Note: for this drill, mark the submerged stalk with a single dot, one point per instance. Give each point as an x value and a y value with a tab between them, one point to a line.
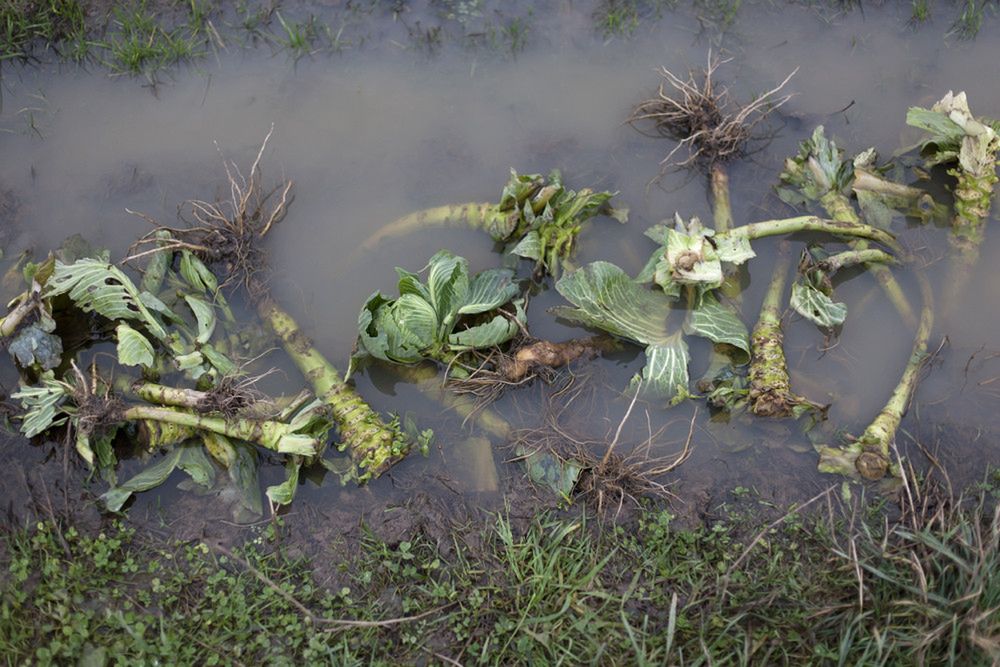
722	210
424	377
770	391
870	453
374	445
839	208
474	215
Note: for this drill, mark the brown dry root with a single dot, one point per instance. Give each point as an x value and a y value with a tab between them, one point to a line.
606	477
708	123
531	359
227	233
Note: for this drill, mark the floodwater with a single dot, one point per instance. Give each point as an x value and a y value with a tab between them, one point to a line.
373	134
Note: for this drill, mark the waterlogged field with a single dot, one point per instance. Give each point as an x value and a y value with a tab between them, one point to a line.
569	520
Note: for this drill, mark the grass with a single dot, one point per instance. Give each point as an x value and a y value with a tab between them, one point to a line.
922	589
144	37
52	22
140	44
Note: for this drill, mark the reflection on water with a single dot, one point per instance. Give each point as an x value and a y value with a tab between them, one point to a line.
373	136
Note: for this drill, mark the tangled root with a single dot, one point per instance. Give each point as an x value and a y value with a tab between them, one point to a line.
607	478
529	359
709	125
228	233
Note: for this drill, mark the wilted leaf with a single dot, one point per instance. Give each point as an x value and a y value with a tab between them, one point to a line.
284	493
150	478
817	307
546	469
194	462
96	286
35	344
41	404
134	349
204	314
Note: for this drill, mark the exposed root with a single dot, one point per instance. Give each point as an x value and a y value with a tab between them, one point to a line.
528	360
708	124
96	407
227	233
236	396
608	478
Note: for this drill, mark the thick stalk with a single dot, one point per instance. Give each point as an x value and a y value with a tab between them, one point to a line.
972	209
770	390
722	210
869	182
769	381
839	208
874	444
848	258
811	223
272	435
374	445
722	213
172	396
474	214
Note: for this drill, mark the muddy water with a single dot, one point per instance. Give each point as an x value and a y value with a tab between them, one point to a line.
372	135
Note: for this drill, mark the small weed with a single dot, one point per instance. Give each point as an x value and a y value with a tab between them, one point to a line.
298	38
139	44
920	11
621	18
969	22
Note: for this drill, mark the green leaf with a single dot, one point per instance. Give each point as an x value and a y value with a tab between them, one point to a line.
943	130
154	304
498	330
666	372
720	323
41	404
153	476
197	275
409	283
817	307
607	299
96	286
489	290
204	314
220	362
416	320
284	493
134	349
448	285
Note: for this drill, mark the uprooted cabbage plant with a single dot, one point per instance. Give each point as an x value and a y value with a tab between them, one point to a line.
180	376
